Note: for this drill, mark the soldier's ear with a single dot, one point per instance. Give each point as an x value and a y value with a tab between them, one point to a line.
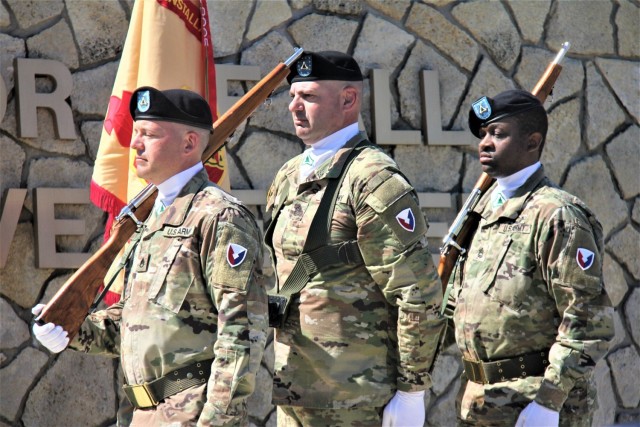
534	141
349	97
191	141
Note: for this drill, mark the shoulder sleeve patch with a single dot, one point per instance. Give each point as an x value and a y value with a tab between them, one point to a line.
235	256
394	202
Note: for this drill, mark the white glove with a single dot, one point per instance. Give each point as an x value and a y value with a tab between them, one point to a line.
405	409
53	337
536	415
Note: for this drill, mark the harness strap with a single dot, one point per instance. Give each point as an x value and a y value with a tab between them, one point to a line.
317	253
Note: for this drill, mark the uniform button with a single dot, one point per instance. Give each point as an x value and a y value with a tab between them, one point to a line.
189	375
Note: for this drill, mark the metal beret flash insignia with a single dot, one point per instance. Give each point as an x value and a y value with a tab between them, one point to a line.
304	66
143	101
482	108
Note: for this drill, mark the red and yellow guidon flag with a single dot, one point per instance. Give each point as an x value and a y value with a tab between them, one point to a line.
168	46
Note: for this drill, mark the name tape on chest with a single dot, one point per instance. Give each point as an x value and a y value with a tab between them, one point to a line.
515	228
178	231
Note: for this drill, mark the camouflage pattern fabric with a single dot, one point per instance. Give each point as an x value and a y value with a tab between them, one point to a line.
191	296
296	416
355	335
532	281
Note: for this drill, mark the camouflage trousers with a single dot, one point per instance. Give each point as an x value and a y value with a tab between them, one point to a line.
296	416
500	404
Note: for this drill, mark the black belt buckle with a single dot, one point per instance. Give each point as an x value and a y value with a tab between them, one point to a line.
277	310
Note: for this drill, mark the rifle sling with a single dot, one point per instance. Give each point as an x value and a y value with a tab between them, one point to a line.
123	263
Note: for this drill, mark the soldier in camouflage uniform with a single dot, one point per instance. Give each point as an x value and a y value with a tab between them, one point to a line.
531	315
359	340
191	325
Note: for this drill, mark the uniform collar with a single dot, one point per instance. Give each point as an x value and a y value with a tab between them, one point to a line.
329	169
513	206
169	189
510	184
176	213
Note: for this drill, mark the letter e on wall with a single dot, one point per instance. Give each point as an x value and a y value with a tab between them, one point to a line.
48	227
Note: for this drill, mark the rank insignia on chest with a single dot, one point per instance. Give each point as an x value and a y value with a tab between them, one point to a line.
480	254
236	254
142	263
407	220
585	258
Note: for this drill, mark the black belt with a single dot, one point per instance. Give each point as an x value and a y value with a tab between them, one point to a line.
528	365
148	395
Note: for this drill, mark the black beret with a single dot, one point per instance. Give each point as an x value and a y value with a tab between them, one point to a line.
327	65
508	103
173	105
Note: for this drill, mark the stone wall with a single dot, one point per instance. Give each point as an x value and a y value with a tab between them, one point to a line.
479	47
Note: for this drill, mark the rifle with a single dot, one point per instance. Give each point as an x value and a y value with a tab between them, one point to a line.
458	239
71	304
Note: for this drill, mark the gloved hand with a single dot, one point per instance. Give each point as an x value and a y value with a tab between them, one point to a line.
535	415
405	409
53	337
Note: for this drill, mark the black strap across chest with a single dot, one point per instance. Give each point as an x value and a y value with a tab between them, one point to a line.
317	252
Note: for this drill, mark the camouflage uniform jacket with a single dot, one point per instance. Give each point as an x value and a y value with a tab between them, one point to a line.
185	302
355	334
524	290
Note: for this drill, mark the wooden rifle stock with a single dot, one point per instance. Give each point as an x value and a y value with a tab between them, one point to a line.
70	305
458	239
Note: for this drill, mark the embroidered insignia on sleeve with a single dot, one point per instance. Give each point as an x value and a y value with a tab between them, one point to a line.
482	108
236	254
585	258
407	220
143	101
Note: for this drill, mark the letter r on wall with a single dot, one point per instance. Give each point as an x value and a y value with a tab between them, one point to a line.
28	99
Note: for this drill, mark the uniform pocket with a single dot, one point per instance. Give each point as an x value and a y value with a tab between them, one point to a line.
511	276
171	283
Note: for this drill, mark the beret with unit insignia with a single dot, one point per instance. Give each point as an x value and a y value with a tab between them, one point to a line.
326	65
508	103
173	105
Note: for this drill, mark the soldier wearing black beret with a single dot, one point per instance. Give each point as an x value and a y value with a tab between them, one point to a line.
173	105
361	332
531	317
190	327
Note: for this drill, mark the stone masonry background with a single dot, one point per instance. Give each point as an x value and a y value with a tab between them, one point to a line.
478	47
